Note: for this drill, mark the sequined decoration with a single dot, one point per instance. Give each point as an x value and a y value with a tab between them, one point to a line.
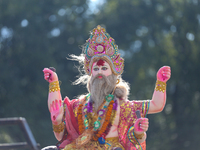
101	45
127	120
160	86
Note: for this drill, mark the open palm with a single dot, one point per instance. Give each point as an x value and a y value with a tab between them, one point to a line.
56	109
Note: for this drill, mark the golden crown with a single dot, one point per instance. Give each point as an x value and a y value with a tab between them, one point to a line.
101	45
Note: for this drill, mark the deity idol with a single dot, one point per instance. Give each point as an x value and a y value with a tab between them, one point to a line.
104	119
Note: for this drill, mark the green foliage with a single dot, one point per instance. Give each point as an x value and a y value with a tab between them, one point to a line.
149	33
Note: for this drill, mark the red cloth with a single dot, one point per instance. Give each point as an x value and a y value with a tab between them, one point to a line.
71	124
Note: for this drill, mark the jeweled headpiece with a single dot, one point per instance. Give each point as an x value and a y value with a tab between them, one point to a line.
101	45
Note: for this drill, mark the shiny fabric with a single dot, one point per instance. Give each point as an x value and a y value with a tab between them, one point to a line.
110	143
127	119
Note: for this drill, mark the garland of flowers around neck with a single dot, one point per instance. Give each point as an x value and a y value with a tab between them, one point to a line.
107	112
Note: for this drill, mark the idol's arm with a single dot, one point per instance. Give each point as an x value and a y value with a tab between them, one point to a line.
140	127
159	96
55	103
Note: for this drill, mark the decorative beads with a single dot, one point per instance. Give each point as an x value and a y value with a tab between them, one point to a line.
54	86
87	98
101	112
101	140
106	122
59	128
101	45
86	122
97	125
103	118
109	97
99	39
160	86
85	109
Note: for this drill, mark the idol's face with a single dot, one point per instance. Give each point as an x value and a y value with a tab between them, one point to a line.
101	67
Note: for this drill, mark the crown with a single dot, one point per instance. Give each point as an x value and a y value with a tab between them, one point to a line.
101	45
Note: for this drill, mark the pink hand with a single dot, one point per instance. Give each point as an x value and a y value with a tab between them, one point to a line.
141	125
56	110
164	74
49	75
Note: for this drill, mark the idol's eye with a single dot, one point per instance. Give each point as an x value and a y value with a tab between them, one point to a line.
104	68
95	69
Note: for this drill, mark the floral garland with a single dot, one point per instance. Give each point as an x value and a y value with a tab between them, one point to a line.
88	120
112	118
106	122
80	120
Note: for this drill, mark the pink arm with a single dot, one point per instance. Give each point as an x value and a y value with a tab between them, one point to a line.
159	97
54	102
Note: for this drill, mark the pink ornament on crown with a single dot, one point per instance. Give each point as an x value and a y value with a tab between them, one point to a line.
101	46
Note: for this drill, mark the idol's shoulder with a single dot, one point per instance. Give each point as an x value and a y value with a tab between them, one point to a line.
130	103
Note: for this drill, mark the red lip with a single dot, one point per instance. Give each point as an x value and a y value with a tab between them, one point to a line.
100	77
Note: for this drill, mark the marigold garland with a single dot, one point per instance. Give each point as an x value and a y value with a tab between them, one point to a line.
80	119
112	118
106	122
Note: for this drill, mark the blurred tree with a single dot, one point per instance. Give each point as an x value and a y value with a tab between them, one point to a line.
34	35
150	34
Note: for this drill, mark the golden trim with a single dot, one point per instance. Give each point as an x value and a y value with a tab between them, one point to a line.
59	128
54	86
94	145
160	86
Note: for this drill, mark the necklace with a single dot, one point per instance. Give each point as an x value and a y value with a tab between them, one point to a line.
98	125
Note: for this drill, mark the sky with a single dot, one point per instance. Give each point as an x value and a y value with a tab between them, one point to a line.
94	4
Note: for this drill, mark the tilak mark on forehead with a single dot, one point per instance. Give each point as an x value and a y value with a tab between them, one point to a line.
100	62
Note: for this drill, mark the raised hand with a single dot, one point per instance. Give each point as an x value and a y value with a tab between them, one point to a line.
56	110
141	125
50	75
164	74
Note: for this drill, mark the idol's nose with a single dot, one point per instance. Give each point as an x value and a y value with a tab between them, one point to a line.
99	72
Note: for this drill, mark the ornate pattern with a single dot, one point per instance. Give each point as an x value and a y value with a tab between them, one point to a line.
59	128
126	122
160	86
102	122
94	145
101	46
75	107
54	86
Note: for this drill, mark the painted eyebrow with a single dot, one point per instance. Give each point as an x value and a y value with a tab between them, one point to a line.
95	66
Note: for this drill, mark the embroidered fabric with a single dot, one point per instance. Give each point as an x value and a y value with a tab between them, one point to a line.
127	119
94	145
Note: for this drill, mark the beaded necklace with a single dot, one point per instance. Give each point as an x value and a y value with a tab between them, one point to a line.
99	126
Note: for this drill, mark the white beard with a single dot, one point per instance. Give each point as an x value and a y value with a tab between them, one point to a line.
100	88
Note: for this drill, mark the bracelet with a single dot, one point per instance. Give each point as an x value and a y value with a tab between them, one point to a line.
160	86
139	136
54	86
59	128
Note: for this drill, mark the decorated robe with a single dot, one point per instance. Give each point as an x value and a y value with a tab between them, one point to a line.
127	118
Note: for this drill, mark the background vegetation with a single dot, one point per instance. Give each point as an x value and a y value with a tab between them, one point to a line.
149	33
